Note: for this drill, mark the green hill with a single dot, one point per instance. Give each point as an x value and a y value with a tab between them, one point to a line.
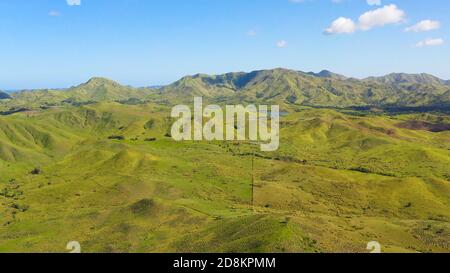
94	90
106	175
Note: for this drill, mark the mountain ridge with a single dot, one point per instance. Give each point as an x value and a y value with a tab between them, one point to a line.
279	85
325	88
398	78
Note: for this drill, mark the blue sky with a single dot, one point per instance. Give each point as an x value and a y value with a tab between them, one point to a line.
58	43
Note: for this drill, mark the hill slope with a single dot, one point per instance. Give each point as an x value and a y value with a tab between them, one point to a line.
337	182
94	90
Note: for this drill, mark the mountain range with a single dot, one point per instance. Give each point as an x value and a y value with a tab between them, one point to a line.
282	86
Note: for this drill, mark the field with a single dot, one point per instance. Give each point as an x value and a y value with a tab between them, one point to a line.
109	176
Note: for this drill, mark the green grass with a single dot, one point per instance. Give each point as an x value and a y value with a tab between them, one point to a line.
338	182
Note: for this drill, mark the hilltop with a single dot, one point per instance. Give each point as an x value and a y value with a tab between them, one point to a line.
328	74
403	78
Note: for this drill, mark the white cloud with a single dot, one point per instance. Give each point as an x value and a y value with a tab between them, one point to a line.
252	33
389	14
54	13
430	42
374	2
282	44
73	2
341	25
425	25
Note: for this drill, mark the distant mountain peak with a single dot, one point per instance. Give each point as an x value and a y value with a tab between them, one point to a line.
399	78
4	95
327	74
99	81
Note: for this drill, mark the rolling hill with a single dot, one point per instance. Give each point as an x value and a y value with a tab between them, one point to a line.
94	90
94	163
337	182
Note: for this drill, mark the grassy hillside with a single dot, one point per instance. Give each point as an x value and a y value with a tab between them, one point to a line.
94	90
107	175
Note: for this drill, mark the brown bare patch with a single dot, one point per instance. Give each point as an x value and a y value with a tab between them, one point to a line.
424	126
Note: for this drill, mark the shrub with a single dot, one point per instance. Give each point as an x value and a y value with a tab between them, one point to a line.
21	208
143	207
36	171
149	124
292	99
116	137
